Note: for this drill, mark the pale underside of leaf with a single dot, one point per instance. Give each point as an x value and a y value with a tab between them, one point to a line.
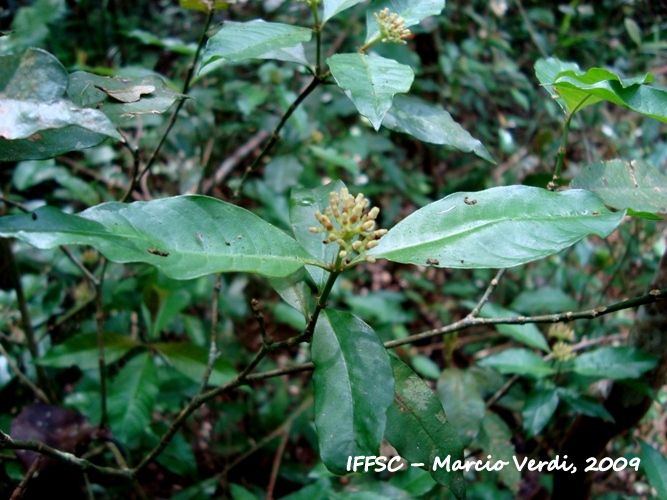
430	123
333	7
499	227
251	40
184	236
621	184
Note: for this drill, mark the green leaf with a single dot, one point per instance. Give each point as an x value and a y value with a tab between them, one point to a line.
354	386
37	120
419	429
191	360
543	300
82	351
370	81
495	438
333	7
132	395
184	236
540	406
415	482
303	205
578	89
614	362
205	5
634	32
498	227
412	11
527	334
585	405
430	123
620	184
33	172
654	464
294	290
169	43
145	95
546	71
252	40
462	400
518	361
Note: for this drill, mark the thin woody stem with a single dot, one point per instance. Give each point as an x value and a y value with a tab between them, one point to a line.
275	135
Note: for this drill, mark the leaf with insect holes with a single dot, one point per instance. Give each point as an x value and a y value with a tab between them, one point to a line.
498	227
121	98
37	118
183	236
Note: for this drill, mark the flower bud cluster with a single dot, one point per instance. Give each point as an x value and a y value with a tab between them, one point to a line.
562	350
355	231
392	26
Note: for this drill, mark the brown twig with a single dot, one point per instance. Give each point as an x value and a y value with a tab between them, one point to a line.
7	443
232	160
489	290
14	367
6	250
277	459
20	489
99	319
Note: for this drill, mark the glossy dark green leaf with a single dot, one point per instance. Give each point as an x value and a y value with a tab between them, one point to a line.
620	184
412	11
132	395
577	89
333	7
82	351
303	205
518	361
495	438
462	400
37	119
498	227
252	40
184	236
121	98
654	464
430	123
540	406
191	360
419	429
614	363
354	386
371	82
585	405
